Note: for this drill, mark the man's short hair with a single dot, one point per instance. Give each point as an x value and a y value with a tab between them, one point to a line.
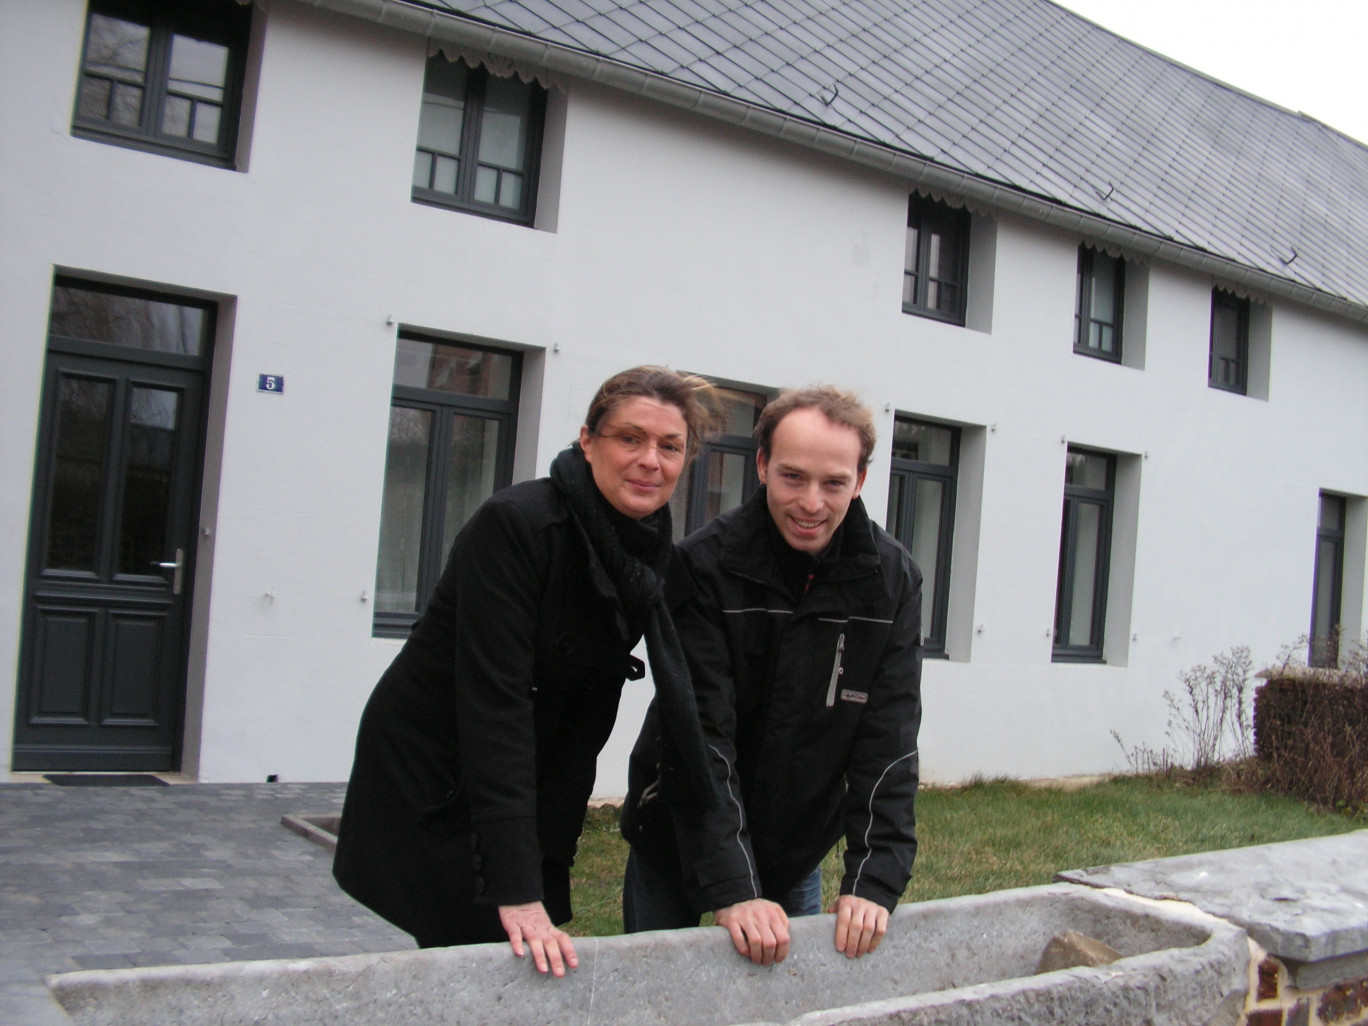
838	406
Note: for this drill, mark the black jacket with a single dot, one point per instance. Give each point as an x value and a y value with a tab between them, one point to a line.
475	755
810	705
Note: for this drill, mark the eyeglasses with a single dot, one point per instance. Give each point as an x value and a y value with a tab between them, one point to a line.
635	442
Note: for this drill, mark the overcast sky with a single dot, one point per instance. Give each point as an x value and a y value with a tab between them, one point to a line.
1306	55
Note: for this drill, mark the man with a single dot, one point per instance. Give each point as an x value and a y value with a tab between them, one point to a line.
801	620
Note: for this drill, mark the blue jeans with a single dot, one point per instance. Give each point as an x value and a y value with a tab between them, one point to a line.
652	900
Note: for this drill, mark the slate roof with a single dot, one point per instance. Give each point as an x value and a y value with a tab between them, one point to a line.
1021	93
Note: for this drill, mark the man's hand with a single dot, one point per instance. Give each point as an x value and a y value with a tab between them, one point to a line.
551	948
860	925
759	929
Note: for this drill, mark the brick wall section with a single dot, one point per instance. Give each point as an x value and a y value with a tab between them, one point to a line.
1273	1001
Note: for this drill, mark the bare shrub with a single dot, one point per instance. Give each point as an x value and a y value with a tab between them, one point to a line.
1209	720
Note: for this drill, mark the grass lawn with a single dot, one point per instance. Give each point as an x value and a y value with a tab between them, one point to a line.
991	835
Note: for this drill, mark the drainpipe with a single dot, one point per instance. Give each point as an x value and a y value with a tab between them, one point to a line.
482	37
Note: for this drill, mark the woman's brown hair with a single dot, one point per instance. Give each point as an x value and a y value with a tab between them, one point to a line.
694	396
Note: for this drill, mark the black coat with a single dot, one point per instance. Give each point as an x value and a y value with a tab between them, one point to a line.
810	704
476	751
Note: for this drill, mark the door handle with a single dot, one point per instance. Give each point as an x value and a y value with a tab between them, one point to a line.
179	567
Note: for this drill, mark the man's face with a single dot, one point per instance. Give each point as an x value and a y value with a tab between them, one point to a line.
811	477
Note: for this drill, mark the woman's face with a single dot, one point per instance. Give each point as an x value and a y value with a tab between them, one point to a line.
637	454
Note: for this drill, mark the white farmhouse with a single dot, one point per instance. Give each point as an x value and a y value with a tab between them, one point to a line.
289	286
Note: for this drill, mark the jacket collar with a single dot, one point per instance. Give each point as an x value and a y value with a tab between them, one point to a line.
746	550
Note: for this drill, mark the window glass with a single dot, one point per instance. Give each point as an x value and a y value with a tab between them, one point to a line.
1084	549
401	510
452	368
723	476
921	513
452	422
935	260
1086	470
116	63
471	465
168	78
1332	512
196	89
1328	583
740	410
923	442
1229	341
726	482
503	133
440	124
146	507
126	320
925	543
1083	574
498	120
83	426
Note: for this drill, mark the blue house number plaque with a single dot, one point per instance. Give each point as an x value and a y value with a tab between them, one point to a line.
270	383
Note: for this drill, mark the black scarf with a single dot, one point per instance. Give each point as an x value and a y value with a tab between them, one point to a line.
640	586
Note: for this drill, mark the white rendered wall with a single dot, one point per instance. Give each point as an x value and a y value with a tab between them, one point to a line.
675	240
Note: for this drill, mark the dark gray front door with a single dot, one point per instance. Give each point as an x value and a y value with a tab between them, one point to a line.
112	536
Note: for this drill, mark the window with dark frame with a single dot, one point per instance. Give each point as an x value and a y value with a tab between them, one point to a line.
1084	556
164	76
936	260
479	141
921	514
452	421
1097	317
1328	583
723	476
1228	362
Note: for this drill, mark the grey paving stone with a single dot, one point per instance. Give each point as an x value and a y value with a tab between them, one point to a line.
98	878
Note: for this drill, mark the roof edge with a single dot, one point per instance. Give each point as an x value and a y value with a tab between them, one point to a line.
411	16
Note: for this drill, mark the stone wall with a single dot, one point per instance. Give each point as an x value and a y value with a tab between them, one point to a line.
1276	1000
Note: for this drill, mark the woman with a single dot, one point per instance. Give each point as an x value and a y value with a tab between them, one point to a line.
475	755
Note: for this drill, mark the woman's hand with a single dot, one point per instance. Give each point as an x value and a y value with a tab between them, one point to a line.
551	948
759	929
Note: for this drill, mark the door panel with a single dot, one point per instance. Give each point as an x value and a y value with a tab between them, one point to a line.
106	600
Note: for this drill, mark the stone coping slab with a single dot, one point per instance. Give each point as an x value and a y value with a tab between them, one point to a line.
960	960
1303	901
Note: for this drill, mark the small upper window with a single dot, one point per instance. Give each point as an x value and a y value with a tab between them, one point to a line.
1228	362
479	141
936	264
1097	319
164	76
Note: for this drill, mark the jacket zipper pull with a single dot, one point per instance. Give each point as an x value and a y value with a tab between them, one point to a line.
835	671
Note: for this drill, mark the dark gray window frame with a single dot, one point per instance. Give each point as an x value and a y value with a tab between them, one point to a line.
1076	496
1326	653
432	558
930	216
695	477
904	474
1083	319
1229	374
225	22
463	198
